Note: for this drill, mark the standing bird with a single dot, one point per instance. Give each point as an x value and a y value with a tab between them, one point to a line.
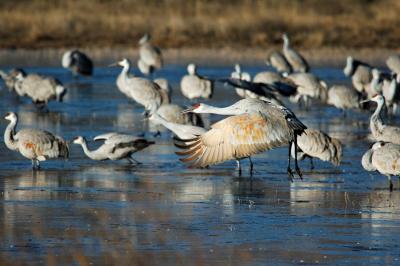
238	74
297	62
40	89
279	62
165	89
150	57
34	144
10	78
308	87
253	127
360	73
379	130
195	86
116	147
141	90
393	63
344	98
388	86
317	144
384	158
77	62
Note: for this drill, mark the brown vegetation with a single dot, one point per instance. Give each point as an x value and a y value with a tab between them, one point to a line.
216	24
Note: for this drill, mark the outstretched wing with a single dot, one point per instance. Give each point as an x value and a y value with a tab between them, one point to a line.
233	138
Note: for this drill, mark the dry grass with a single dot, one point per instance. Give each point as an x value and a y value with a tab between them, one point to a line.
215	24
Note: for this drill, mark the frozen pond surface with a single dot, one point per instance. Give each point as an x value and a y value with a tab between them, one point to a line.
82	212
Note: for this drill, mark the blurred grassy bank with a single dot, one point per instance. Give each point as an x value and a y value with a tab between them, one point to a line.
207	24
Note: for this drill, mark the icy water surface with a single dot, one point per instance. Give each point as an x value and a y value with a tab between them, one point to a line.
86	212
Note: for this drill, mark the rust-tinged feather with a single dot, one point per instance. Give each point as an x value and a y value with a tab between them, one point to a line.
193	157
188	152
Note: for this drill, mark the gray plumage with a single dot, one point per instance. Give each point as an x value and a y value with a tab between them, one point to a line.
41	89
295	59
194	86
343	97
317	144
384	158
393	63
10	78
238	74
150	57
386	85
165	89
308	87
115	147
78	62
379	130
182	131
360	73
34	144
275	80
279	62
143	91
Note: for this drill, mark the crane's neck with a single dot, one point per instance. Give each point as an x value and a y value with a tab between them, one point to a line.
376	120
208	109
9	140
125	71
91	154
286	42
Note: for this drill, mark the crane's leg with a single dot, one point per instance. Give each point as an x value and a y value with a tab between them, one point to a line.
390	183
311	163
133	161
298	171
157	134
251	165
33	164
289	170
239	166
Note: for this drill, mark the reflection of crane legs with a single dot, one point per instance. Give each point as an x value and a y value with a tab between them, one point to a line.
133	161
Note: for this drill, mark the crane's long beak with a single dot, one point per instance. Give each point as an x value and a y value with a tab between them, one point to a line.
113	64
365	101
189	110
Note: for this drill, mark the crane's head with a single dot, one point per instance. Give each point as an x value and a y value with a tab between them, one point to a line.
78	140
11	116
122	63
348	69
191	69
144	39
285	39
196	108
60	92
238	69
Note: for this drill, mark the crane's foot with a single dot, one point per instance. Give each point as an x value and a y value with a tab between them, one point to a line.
298	171
290	174
157	134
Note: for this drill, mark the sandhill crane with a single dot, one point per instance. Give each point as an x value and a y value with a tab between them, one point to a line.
165	89
34	144
10	78
386	85
40	89
77	62
238	74
309	86
277	81
194	86
150	57
296	61
393	63
115	147
359	72
317	144
384	158
379	130
141	90
279	62
344	98
254	126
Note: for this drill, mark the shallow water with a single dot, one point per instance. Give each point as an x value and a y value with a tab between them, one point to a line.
82	212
